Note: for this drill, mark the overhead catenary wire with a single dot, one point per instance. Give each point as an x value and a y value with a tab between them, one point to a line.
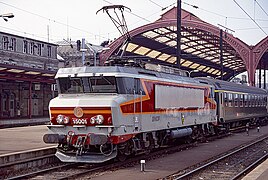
250	17
49	19
131	13
261	7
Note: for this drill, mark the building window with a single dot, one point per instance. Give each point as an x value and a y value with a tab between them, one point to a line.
32	48
25	46
48	51
39	49
5	42
13	44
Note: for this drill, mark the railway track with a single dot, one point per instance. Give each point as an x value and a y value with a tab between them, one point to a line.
20	163
232	165
76	170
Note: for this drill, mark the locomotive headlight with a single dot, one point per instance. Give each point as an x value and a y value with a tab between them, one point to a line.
99	119
92	120
66	120
60	119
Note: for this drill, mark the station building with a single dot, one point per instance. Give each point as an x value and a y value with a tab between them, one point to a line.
27	70
71	52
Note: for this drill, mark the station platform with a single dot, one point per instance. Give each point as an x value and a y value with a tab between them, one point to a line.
259	173
9	123
15	140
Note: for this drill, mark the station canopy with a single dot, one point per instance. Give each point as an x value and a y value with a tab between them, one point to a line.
200	46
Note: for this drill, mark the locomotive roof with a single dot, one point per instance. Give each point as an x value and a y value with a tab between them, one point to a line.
121	71
231	86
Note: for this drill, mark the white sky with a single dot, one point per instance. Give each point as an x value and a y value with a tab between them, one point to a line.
33	17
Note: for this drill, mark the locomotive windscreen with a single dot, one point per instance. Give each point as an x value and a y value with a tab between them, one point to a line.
95	84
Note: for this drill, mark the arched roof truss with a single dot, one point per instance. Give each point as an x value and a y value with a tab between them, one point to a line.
200	47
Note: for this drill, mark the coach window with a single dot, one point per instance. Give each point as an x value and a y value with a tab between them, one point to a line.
245	100
265	101
252	100
242	100
13	44
230	98
255	101
5	42
225	99
249	100
25	46
236	100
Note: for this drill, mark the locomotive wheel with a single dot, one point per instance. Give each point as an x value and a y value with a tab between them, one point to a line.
121	156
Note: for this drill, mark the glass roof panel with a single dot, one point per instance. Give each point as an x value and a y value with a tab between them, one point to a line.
131	47
215	72
142	50
211	70
173	28
171	43
183	40
162	39
200	68
206	69
164	30
183	46
190	50
194	66
212	58
186	63
196	52
171	35
172	59
153	54
164	57
215	60
150	34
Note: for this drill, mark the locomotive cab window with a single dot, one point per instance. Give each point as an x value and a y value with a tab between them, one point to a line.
70	85
95	84
128	85
100	84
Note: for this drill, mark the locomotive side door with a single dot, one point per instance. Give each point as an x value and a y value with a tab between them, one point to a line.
137	96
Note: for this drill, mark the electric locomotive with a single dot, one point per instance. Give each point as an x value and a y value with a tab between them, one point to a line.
106	112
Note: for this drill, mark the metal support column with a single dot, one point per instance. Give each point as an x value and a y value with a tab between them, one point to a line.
30	100
264	75
178	52
221	58
260	74
83	52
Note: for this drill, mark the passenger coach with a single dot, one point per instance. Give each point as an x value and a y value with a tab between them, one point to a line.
238	102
